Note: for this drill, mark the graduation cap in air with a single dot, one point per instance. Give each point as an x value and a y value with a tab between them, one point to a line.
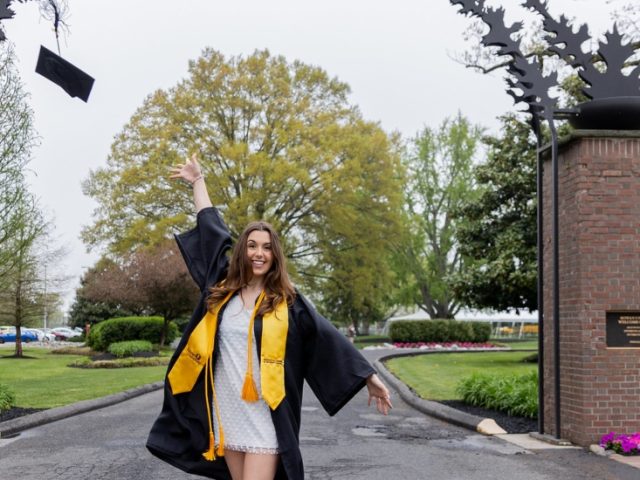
72	80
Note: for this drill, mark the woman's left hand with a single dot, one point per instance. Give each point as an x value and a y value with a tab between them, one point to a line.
379	393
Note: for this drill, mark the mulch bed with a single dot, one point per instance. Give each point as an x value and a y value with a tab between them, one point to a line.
16	412
507	422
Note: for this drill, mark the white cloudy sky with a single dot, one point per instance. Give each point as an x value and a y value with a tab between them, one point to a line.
395	55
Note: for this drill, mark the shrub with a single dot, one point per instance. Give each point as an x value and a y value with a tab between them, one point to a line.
7	398
181	323
77	339
481	331
517	395
129	347
413	331
121	362
114	330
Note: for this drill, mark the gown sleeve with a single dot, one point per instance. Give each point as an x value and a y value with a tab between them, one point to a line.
335	369
204	248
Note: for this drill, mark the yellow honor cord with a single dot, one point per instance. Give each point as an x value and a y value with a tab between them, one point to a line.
249	389
197	354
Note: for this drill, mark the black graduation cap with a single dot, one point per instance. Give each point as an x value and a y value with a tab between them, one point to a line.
72	80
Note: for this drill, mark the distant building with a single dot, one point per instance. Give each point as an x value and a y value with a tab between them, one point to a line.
508	323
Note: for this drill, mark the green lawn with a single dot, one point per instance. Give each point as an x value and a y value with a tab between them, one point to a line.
516	344
368	340
434	376
45	381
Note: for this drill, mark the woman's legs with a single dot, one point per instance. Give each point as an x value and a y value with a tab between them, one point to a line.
251	466
260	466
235	462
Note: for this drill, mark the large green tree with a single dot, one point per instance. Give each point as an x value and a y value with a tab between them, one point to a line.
277	141
499	228
439	169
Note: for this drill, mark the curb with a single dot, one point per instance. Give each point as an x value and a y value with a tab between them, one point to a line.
17	425
486	426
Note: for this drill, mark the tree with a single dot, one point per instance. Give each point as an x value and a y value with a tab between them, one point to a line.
24	297
277	141
152	281
439	168
356	257
17	138
84	310
499	228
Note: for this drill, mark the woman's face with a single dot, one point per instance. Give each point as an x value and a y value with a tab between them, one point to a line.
259	252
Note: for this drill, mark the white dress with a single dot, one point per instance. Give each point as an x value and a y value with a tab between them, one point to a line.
247	425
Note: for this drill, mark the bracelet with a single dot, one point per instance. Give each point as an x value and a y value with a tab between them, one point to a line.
198	178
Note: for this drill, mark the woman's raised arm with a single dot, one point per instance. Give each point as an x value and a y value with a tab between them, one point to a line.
192	173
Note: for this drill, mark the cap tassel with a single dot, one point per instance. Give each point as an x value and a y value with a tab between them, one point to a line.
249	389
210	453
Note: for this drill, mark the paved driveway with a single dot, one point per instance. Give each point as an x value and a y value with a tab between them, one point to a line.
108	444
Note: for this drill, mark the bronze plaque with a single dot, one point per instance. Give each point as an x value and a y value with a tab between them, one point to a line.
623	329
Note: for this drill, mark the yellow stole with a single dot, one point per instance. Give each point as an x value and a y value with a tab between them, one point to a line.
197	354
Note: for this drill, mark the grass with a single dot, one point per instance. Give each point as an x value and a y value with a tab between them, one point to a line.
45	380
516	344
435	376
367	340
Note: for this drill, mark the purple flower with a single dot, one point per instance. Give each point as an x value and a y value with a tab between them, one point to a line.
627	445
607	439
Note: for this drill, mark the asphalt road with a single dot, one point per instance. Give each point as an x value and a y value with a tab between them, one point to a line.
108	444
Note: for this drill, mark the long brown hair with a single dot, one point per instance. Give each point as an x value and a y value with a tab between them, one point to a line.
277	285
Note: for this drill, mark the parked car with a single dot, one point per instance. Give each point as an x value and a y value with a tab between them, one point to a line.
25	335
43	336
64	333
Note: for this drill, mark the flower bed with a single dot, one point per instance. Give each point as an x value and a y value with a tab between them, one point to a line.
622	444
444	345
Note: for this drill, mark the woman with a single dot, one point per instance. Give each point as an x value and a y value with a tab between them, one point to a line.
233	393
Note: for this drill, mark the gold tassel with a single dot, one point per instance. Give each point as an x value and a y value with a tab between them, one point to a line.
249	389
220	448
210	454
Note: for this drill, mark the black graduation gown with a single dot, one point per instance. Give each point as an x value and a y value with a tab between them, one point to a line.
316	352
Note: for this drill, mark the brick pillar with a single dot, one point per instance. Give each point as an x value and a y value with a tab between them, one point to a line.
599	217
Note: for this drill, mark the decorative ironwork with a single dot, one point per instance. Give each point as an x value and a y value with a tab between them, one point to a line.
601	81
5	12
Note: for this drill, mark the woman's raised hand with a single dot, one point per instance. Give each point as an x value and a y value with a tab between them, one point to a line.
189	171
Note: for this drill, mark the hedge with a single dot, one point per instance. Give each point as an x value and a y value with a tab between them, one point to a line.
129	347
7	398
439	331
114	330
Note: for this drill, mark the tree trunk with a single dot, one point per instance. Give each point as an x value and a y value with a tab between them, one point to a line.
18	314
18	352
